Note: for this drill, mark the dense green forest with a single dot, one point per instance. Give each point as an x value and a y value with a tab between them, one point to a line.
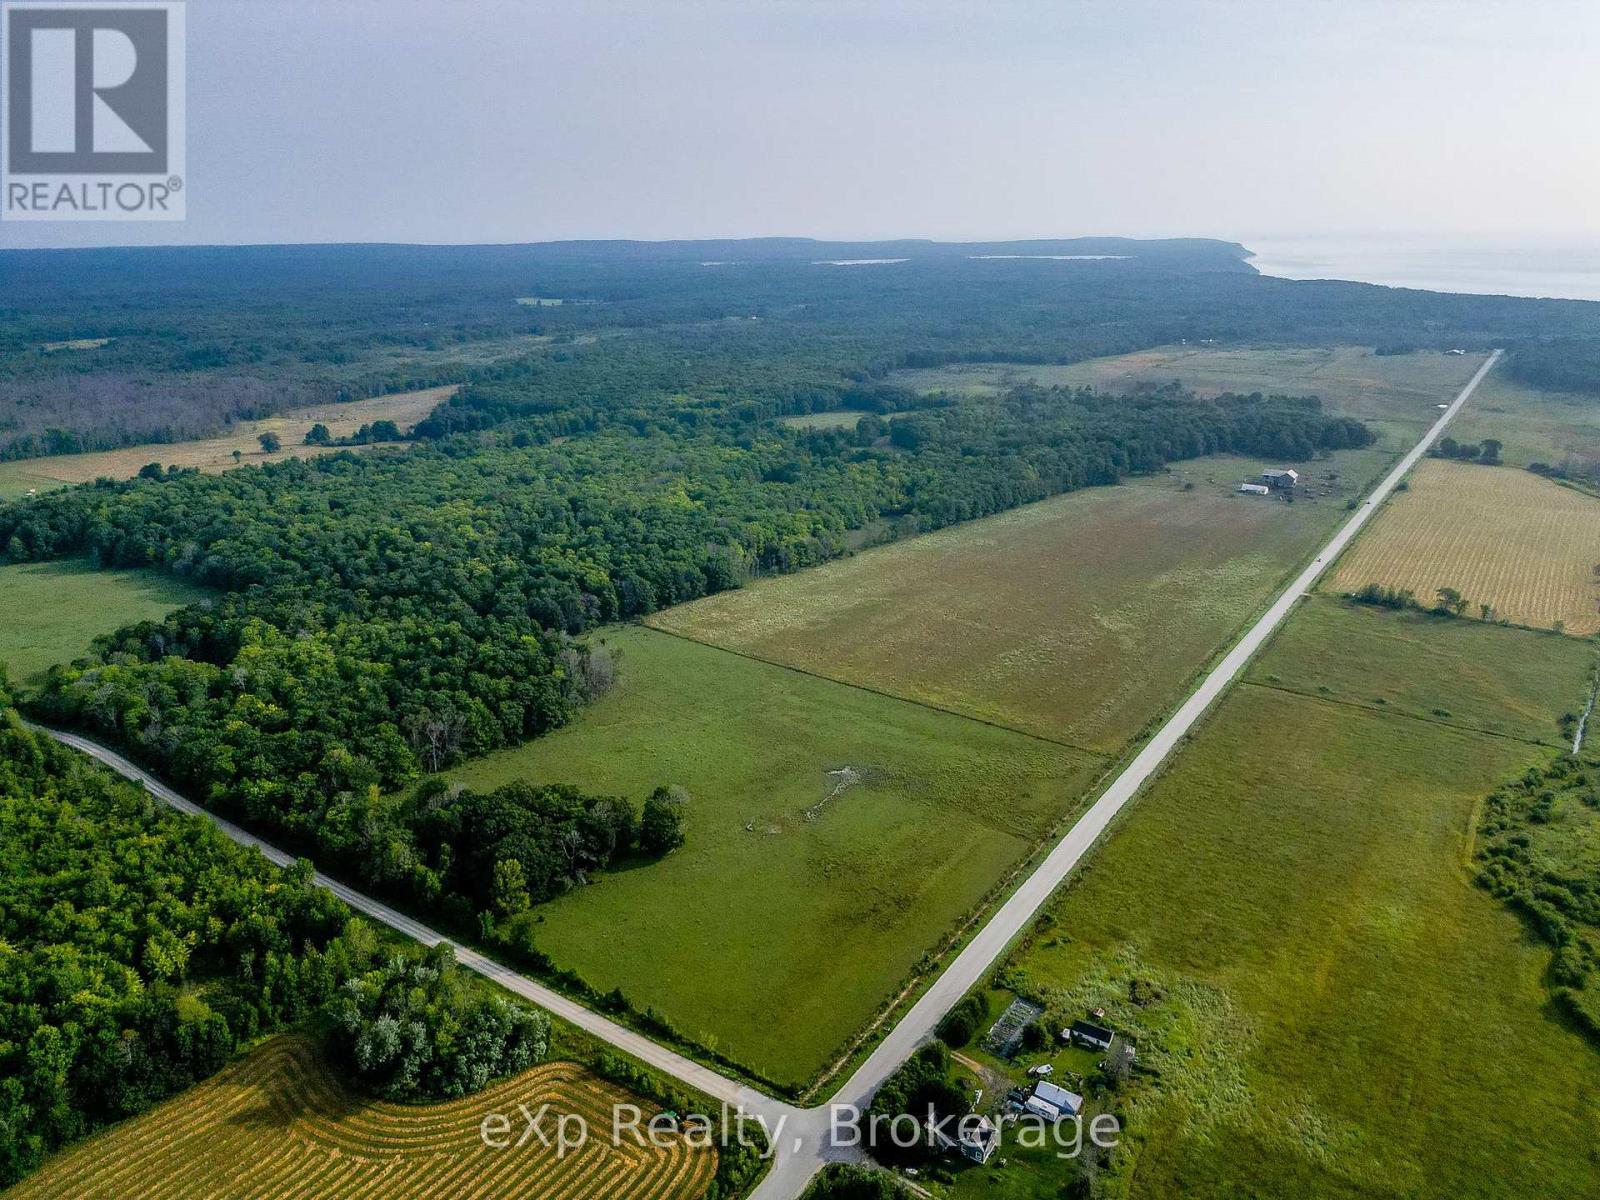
139	948
199	338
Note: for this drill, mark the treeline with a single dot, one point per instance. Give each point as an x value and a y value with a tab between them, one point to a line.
1530	855
140	948
382	617
1560	364
1486	452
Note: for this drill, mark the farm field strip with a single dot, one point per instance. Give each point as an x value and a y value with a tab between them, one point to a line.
1402	389
215	454
1498	535
1029	619
278	1123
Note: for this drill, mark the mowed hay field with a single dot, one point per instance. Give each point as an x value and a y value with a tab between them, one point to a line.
803	897
1498	535
1392	389
50	612
216	453
279	1124
1329	1005
1076	618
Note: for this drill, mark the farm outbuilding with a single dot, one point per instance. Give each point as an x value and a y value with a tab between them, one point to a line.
1087	1033
1280	477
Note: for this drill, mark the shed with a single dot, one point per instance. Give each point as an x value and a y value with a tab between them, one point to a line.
1090	1034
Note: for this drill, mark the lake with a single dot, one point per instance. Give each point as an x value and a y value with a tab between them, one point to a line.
1568	269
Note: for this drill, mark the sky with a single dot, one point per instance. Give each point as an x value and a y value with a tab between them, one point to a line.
521	120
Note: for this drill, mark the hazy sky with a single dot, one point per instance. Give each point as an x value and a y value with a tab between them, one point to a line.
492	120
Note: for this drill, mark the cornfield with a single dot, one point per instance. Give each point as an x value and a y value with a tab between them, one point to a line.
278	1124
1523	545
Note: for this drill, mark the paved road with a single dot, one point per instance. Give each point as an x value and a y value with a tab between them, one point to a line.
1015	914
641	1047
802	1140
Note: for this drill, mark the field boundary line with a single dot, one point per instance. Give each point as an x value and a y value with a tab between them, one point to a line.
1103	755
1386	711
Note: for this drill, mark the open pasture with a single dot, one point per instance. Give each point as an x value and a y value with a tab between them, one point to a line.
1391	389
834	837
280	1124
215	454
1077	618
1287	925
50	612
1478	676
1498	535
1532	424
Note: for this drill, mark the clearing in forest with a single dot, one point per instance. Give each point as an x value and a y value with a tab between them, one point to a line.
834	836
215	454
1499	536
53	610
1078	618
280	1124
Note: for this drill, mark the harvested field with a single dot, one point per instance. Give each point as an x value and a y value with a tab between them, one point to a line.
216	453
279	1124
1498	535
1077	618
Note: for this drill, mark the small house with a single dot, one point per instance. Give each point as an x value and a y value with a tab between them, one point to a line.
1051	1102
976	1138
1255	489
1087	1033
1280	477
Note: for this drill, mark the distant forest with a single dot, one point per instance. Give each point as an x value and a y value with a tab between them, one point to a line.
201	338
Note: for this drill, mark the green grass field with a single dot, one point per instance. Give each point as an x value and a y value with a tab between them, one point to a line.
53	610
1333	1008
1479	677
773	936
841	418
1077	618
1534	425
1397	391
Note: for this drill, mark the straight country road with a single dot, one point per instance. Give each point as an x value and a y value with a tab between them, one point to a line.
803	1140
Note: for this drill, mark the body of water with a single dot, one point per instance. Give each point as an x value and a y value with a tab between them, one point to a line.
1564	269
